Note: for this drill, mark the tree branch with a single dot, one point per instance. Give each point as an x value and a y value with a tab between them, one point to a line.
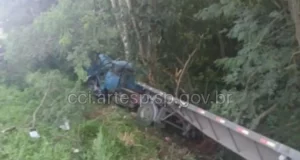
38	108
237	120
222	46
185	68
257	120
179	61
122	26
9	129
136	29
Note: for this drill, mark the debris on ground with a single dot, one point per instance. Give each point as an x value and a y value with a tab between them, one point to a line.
75	150
34	134
65	126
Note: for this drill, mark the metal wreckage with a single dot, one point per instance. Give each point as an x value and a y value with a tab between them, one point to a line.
111	77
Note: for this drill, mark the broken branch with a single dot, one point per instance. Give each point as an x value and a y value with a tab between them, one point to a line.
185	68
9	129
257	120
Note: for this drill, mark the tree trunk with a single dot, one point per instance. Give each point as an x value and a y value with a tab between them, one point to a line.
294	7
136	28
122	25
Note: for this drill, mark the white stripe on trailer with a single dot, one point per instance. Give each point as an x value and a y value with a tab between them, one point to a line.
201	111
267	142
243	131
220	120
285	151
271	144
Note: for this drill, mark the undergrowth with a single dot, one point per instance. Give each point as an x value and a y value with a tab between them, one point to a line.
97	132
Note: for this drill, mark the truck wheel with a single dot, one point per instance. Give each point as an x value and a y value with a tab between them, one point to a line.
147	113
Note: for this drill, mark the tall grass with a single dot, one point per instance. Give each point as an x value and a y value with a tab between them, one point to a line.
97	132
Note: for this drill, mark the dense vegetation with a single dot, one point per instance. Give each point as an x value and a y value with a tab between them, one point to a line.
249	49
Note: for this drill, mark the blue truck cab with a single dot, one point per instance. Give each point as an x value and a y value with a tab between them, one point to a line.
108	75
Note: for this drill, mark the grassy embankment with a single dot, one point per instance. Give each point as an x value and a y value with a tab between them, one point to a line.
97	132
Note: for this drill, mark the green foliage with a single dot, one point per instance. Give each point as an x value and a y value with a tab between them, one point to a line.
88	132
258	72
33	150
181	35
21	104
251	42
108	142
17	109
118	138
69	37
